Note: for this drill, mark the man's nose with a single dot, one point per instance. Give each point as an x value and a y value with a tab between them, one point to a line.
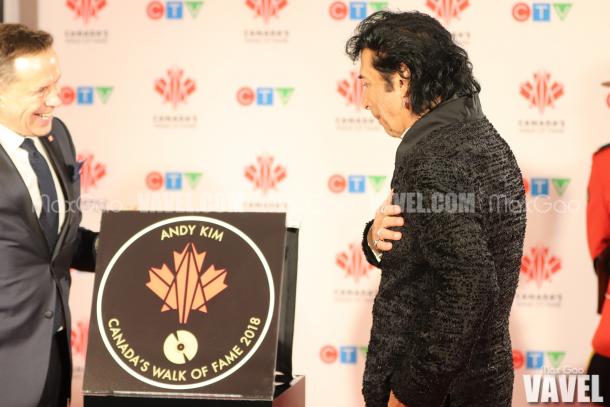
53	99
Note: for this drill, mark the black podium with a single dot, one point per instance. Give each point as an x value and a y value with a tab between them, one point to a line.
193	309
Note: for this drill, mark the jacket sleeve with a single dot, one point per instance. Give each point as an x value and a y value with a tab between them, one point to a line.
598	212
455	248
598	227
86	251
368	252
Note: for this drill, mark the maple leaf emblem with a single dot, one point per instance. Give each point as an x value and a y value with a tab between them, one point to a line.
266	175
86	9
541	93
351	90
174	88
266	8
447	10
539	266
90	171
353	262
188	288
79	336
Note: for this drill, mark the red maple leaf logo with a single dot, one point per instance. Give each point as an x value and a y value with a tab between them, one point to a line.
175	89
351	90
542	93
86	9
265	175
266	8
539	266
91	171
79	336
447	10
353	262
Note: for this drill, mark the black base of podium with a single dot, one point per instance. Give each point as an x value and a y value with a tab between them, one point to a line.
287	395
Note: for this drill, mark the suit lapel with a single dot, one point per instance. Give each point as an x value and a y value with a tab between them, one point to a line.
10	176
59	165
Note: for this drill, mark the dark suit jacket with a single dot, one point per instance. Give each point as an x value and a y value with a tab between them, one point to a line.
32	278
440	319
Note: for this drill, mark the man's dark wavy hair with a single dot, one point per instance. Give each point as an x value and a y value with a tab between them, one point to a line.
439	68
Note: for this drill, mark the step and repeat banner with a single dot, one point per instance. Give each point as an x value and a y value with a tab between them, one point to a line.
252	105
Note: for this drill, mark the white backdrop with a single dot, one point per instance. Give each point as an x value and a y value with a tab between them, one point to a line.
251	105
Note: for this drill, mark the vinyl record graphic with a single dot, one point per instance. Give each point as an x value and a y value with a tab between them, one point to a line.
180	347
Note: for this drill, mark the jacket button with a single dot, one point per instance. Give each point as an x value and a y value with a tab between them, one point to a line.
48	314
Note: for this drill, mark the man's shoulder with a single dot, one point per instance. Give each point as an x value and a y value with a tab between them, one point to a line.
605	149
602	157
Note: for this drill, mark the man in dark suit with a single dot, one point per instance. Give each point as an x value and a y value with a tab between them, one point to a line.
450	243
40	237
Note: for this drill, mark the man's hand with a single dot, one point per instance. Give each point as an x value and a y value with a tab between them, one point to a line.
393	402
387	216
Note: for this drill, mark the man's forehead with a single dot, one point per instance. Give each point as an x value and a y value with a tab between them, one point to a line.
36	61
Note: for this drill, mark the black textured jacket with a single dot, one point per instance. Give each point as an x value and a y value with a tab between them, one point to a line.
440	320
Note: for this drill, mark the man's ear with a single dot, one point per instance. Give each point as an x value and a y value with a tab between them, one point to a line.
404	80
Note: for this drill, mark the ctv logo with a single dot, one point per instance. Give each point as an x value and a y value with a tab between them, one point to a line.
266	9
540	12
356	10
79	335
534	360
355	184
447	10
263	96
542	186
351	89
172	181
86	9
84	95
346	355
353	262
175	88
173	10
539	265
265	174
91	171
542	92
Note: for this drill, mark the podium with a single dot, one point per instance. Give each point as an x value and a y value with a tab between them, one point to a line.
193	309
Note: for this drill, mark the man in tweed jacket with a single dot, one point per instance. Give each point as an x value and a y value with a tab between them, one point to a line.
449	239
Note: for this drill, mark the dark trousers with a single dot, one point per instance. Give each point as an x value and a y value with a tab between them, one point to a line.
600	365
55	393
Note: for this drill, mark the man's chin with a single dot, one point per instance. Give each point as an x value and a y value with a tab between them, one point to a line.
40	131
392	134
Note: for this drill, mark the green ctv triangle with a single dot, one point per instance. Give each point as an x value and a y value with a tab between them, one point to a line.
104	92
562	9
193	178
378	5
560	185
377	181
284	94
556	358
194	7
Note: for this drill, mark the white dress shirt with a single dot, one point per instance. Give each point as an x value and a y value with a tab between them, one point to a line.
11	142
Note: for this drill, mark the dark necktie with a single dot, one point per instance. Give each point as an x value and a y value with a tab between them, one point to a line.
49	217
